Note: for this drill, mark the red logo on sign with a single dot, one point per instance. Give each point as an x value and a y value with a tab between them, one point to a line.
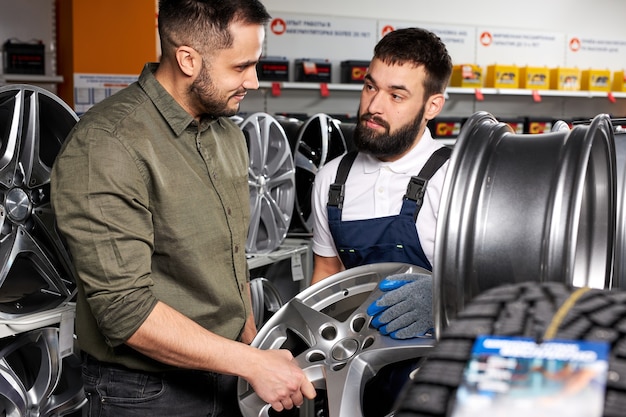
386	30
486	38
278	26
574	44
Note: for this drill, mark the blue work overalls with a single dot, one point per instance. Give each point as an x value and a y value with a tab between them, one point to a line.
384	239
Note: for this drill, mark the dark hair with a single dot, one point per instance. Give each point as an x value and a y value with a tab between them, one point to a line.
203	24
418	47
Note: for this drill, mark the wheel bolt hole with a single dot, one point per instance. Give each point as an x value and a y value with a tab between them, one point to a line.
358	323
316	357
329	332
338	367
368	342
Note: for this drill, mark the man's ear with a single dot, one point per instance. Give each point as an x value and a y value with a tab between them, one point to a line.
434	105
189	61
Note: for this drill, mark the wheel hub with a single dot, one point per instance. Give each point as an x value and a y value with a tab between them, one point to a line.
345	349
17	204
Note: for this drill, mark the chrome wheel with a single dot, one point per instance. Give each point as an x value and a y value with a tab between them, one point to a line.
527	207
271	177
326	328
620	238
35	268
315	141
35	379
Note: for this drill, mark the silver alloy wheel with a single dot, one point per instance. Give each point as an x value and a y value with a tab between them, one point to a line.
271	178
315	142
523	207
327	329
35	379
35	268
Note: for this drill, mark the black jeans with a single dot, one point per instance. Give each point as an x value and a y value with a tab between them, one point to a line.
116	391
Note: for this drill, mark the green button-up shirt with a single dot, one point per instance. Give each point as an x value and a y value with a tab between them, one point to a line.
153	206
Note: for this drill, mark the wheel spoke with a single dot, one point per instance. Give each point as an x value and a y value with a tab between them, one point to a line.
327	330
271	179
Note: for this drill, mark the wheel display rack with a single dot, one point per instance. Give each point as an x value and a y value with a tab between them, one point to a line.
39	369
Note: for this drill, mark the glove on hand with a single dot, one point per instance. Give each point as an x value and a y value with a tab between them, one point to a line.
405	310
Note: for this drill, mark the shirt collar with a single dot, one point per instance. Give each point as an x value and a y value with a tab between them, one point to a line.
405	164
172	112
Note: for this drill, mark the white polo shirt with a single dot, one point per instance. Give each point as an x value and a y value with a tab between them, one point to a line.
375	189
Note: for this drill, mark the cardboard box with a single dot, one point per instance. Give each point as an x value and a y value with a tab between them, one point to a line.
595	80
619	81
502	76
534	78
445	127
518	124
565	79
466	75
353	72
273	69
312	70
537	125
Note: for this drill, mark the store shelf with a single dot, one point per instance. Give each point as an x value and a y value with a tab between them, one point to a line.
451	90
310	86
300	253
529	93
30	79
10	326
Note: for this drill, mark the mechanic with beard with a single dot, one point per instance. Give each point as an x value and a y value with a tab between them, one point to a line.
371	206
150	192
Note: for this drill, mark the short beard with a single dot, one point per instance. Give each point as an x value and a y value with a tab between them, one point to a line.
205	93
386	145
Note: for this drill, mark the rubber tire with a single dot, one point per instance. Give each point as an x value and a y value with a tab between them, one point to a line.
524	309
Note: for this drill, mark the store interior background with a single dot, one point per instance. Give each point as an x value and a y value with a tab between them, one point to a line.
118	37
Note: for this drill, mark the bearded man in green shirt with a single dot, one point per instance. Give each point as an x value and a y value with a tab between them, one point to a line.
150	192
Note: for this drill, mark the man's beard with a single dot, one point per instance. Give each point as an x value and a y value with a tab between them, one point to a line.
206	94
385	145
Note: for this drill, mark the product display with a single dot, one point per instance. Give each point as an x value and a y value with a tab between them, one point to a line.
313	70
325	327
271	177
550	197
24	58
40	372
531	230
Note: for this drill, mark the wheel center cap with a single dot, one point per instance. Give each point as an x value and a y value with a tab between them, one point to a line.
17	205
345	349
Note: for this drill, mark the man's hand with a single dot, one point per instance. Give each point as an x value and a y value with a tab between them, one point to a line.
279	381
405	309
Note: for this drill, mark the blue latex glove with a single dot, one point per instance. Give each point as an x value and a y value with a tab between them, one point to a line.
405	309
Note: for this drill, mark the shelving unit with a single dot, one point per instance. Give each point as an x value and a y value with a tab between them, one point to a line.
309	98
297	250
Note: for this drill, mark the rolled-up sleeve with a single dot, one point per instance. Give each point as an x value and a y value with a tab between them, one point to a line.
101	203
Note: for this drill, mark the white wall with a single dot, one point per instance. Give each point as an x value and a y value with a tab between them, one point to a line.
590	17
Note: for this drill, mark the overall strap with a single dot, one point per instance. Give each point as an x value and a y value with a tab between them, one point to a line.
417	186
336	192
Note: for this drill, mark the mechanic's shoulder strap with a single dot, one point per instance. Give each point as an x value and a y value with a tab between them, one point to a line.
417	185
337	189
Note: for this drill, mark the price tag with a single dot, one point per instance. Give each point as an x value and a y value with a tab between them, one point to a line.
556	377
297	274
66	334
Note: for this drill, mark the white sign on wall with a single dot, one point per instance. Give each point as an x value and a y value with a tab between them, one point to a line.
90	89
587	52
335	39
460	41
519	47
